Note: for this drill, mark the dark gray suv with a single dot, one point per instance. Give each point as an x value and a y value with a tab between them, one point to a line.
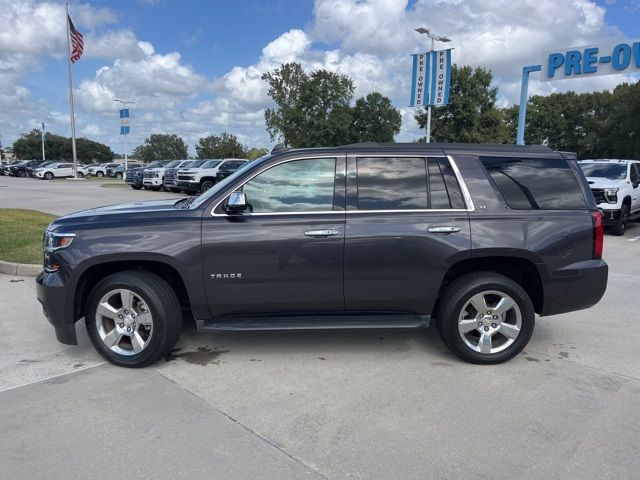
475	238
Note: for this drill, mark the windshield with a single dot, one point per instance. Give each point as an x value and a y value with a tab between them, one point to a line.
157	163
210	163
612	171
197	163
221	185
187	164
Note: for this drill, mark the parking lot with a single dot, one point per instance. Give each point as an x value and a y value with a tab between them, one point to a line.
356	405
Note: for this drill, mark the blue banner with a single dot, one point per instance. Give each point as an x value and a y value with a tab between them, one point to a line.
431	78
125	128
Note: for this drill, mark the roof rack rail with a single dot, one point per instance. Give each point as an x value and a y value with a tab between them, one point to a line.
280	147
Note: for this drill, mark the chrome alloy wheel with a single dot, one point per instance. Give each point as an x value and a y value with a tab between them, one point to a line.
123	322
490	322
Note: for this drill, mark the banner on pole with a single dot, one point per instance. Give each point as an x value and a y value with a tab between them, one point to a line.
125	127
431	78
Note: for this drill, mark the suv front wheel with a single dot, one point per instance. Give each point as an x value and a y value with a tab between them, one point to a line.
620	225
133	318
485	318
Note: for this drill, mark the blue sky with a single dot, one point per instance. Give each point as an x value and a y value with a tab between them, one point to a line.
193	67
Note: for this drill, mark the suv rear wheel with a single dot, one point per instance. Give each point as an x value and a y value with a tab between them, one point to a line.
620	225
133	318
485	318
99	173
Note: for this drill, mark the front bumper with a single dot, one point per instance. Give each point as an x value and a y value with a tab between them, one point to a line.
610	215
52	295
188	186
152	182
575	287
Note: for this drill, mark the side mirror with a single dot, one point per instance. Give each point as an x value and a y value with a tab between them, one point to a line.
237	203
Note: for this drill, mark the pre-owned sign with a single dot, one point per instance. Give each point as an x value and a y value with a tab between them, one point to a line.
591	61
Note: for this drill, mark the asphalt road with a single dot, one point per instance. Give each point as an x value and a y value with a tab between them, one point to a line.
364	405
59	197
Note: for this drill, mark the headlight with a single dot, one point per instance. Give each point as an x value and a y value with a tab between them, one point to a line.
56	241
52	243
611	194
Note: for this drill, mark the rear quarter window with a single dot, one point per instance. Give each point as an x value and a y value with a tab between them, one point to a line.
536	184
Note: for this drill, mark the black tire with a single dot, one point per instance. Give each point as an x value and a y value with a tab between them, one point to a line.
21	174
80	175
206	185
48	176
155	189
99	174
118	175
162	304
456	296
136	187
620	225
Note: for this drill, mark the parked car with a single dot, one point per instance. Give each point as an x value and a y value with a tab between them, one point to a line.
20	169
31	170
59	170
101	169
476	238
119	170
229	168
134	175
202	178
170	181
6	166
153	178
614	184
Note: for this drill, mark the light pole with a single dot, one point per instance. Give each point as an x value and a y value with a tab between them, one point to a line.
433	37
124	102
42	140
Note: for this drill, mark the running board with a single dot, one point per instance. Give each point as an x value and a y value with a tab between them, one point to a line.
374	322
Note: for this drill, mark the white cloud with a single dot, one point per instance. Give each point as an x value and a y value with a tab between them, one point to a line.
369	40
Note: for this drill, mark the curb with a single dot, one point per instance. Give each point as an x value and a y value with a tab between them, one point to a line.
20	269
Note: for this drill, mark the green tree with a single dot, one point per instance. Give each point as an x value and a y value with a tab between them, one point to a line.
225	145
57	147
161	146
254	153
471	115
312	110
375	119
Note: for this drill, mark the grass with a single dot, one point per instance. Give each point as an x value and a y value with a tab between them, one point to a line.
21	235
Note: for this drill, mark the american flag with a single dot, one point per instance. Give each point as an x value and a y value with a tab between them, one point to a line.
77	43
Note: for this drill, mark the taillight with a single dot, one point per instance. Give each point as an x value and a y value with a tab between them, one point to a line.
598	235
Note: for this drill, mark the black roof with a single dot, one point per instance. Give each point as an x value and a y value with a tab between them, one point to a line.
427	147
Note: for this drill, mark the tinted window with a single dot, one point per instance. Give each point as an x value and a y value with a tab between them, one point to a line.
635	172
296	186
613	171
388	183
444	189
539	184
210	164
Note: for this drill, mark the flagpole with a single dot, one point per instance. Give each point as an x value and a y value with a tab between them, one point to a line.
73	115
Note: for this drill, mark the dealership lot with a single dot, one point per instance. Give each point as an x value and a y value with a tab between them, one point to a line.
319	405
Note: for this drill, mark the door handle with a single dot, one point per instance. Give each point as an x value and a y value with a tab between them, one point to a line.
446	230
321	233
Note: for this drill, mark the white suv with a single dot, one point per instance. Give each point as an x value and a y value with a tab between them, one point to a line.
59	170
201	179
616	187
101	170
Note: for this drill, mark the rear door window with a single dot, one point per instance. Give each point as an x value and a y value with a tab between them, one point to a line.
407	183
536	184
